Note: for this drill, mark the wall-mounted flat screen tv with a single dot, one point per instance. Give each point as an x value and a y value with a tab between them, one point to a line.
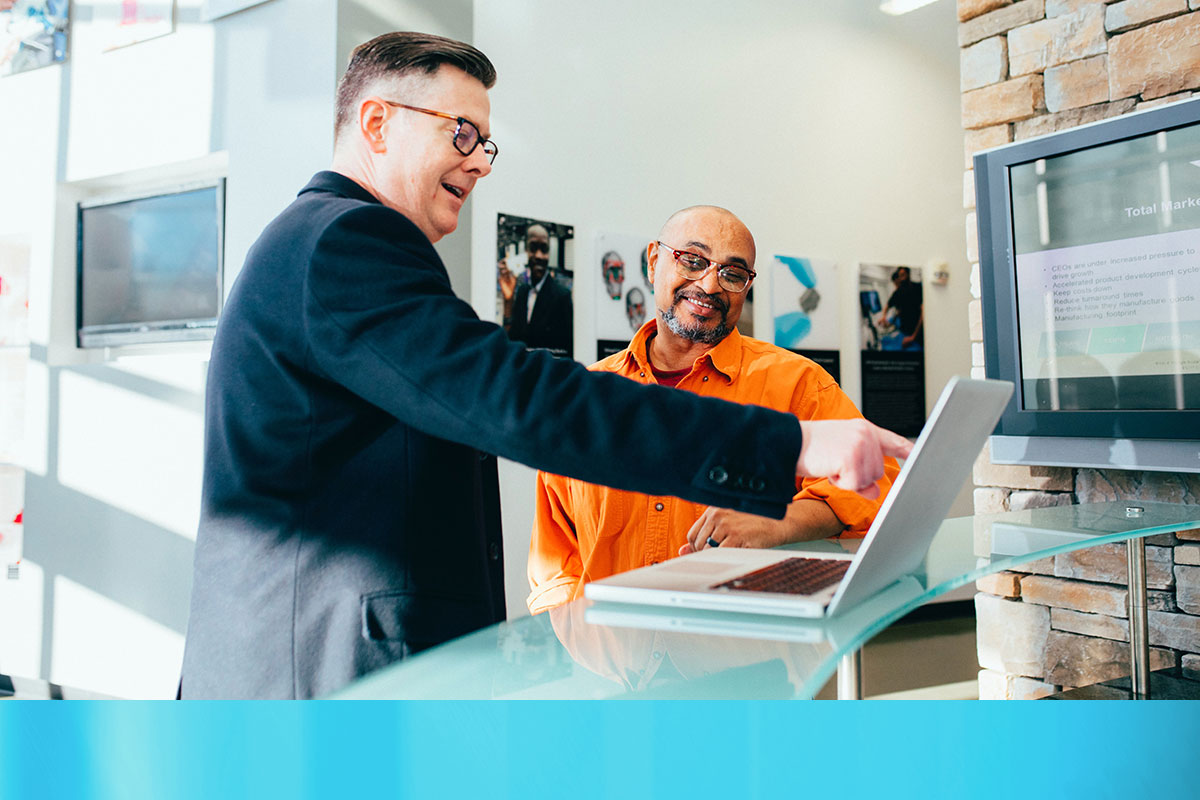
1090	277
149	266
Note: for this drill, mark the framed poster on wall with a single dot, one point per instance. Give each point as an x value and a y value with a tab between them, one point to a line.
804	307
12	501
33	33
14	363
121	23
892	332
215	9
624	294
534	281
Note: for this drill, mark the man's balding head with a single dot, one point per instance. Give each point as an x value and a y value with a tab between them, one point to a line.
700	310
713	217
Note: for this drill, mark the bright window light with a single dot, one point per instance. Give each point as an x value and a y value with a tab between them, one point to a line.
897	7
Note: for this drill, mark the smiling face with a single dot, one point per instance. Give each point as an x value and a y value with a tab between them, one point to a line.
537	252
699	311
418	171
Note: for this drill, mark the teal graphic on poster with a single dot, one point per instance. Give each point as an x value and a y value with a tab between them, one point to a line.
804	303
804	308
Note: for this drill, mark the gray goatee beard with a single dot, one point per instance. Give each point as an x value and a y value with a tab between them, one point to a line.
697	333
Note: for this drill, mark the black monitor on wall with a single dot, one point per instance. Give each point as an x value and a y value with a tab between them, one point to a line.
149	265
1089	248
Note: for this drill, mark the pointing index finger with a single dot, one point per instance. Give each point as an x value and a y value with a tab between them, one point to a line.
893	444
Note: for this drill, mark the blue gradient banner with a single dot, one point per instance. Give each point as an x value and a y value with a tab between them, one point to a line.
123	750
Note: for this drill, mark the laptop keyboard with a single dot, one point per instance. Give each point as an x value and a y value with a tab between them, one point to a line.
791	576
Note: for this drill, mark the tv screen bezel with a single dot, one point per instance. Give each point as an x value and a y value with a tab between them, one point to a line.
1090	429
148	331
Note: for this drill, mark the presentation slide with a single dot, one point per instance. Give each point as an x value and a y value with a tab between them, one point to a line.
1129	307
1107	253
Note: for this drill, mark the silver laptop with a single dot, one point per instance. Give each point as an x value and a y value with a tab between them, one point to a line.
788	583
836	631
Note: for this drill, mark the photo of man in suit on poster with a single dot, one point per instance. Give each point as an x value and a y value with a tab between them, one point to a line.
534	280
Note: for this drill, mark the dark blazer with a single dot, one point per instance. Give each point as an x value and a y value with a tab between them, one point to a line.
551	323
350	510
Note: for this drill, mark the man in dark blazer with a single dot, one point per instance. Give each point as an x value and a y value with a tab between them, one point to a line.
550	323
355	408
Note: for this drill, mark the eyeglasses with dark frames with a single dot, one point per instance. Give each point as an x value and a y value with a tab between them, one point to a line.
466	134
693	267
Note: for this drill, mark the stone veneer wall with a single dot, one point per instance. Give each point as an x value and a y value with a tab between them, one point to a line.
1029	68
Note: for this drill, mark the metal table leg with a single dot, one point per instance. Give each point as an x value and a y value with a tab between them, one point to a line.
849	676
1139	639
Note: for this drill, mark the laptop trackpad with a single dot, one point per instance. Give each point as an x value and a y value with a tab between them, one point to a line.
695	567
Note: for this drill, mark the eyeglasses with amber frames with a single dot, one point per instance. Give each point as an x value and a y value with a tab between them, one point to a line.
693	267
466	135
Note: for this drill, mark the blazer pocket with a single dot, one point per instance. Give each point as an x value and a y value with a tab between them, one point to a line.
418	620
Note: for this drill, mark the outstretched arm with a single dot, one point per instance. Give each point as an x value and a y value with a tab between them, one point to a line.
849	452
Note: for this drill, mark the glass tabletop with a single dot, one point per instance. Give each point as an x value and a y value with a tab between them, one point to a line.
591	650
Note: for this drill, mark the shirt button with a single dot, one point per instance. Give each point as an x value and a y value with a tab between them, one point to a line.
658	506
641	374
705	377
494	551
652	563
656	655
718	475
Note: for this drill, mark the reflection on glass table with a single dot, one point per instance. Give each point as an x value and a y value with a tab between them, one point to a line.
15	687
589	650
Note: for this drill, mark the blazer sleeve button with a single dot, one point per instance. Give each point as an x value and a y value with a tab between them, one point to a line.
718	475
757	484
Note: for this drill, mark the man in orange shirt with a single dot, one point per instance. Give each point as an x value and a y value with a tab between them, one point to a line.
701	268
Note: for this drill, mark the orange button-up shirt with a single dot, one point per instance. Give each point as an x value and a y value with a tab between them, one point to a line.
583	532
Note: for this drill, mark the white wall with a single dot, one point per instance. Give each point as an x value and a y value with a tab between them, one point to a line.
113	448
830	128
274	73
29	141
112	478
